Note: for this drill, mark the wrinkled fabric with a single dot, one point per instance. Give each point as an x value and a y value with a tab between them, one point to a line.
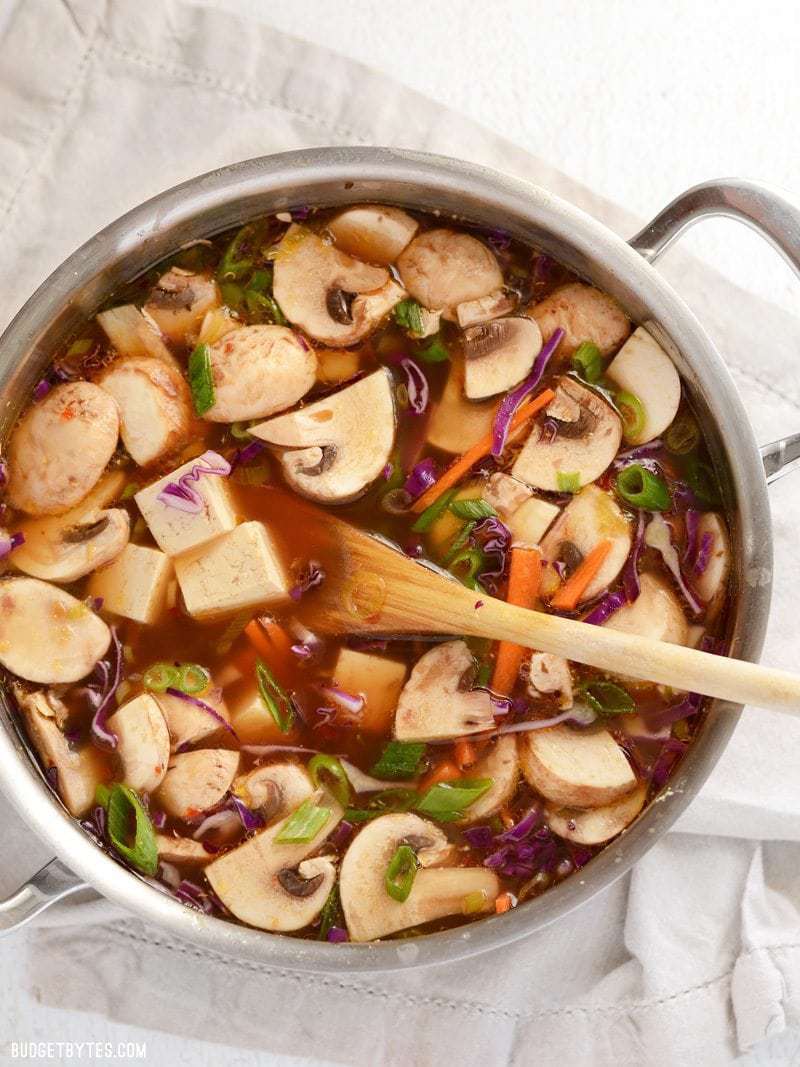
691	958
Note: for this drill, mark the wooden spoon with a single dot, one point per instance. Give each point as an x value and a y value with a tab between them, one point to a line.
371	587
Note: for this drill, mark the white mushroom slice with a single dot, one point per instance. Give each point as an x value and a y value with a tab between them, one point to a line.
443	268
133	334
505	494
711	585
551	674
456	423
575	769
337	365
46	635
274	789
496	304
584	314
437	891
501	764
498	355
142	743
595	826
67	547
339	445
373	232
196	781
581	449
272	885
188	724
317	288
155	406
257	371
179	301
60	447
79	771
436	701
643	368
531	521
174	849
591	517
656	613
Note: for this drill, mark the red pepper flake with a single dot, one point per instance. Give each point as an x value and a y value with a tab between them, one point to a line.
478	604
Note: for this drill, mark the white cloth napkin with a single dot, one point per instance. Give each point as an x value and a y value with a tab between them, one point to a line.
692	957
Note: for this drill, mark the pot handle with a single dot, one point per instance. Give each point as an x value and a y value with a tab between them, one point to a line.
52	883
766	210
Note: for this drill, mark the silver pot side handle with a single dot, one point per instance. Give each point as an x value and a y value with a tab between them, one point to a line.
765	209
52	883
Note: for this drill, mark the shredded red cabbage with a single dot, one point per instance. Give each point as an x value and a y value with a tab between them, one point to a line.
421	477
692	519
523	850
251	820
41	389
311	576
605	608
8	544
3	473
159	819
684	709
179	693
417	384
387	471
349	702
338	934
244	455
637	454
703	555
181	495
511	401
301	213
194	896
630	572
342	834
499	239
101	691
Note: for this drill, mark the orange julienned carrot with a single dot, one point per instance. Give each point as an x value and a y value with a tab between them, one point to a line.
466	754
480	449
567	596
524	576
445	772
503	903
269	640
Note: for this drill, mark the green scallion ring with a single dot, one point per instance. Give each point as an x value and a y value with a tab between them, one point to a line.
588	362
401	872
683	436
161	676
328	772
193	678
633	415
641	488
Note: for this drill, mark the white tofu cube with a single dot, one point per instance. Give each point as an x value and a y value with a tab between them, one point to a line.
531	521
134	584
176	531
378	679
239	570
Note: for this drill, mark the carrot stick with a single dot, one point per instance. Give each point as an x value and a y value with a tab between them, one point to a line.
524	576
466	754
269	640
445	772
566	598
503	903
481	448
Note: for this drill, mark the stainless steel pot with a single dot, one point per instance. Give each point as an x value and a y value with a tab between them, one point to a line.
235	194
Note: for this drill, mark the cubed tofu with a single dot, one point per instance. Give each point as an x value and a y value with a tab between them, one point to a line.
135	584
252	720
531	521
239	570
176	531
377	679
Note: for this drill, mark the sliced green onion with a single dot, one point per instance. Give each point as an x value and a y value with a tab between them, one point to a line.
331	913
240	432
401	872
588	362
683	435
433	352
126	811
703	482
161	676
400	760
432	513
264	307
201	380
193	678
274	697
472	509
606	698
232	295
448	801
130	490
459	542
640	488
388	800
483	676
408	315
466	565
80	347
236	262
260	281
568	481
304	824
327	771
102	795
633	414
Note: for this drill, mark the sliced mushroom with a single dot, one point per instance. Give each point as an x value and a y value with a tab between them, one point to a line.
437	891
259	370
336	299
531	520
268	884
373	232
437	702
274	789
505	494
498	355
501	764
184	850
584	314
494	306
590	518
132	333
456	423
551	674
711	585
337	365
196	781
575	769
179	301
443	268
643	368
142	743
46	635
339	445
582	447
60	447
188	724
595	826
155	406
79	771
656	613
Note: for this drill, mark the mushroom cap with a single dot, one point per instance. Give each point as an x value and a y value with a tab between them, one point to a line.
274	789
257	371
585	445
656	613
582	769
375	233
179	300
188	724
142	743
175	849
247	879
56	550
711	585
443	268
369	910
498	355
133	333
501	764
155	406
60	448
592	516
457	423
46	635
595	826
432	705
584	314
500	302
550	674
196	781
643	368
346	438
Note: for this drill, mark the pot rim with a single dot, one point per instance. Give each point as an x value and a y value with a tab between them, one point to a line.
243	190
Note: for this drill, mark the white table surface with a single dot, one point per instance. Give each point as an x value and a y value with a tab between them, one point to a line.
636	98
